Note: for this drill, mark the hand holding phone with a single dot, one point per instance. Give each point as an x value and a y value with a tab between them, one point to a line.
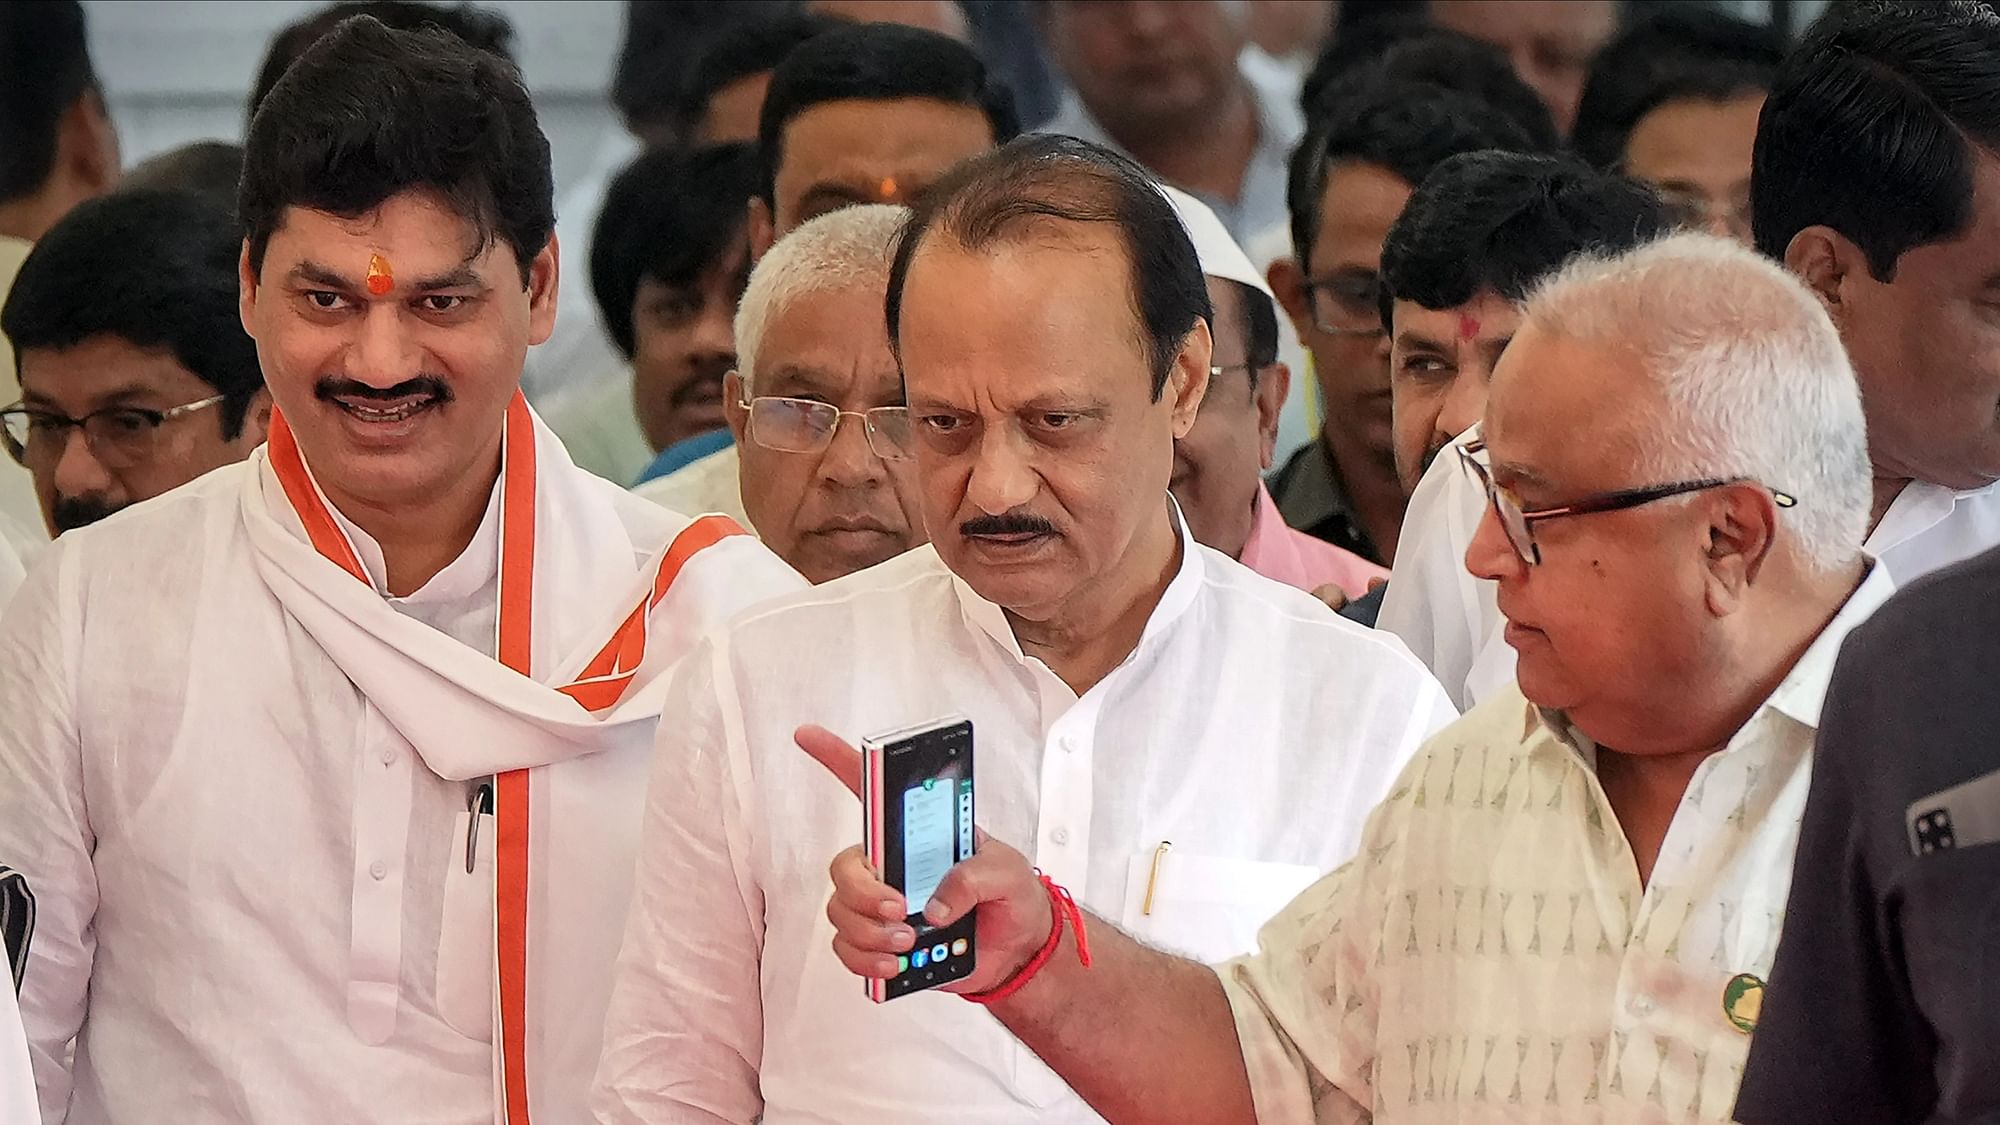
917	792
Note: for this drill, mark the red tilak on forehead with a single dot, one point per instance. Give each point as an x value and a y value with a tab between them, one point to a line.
1468	326
380	278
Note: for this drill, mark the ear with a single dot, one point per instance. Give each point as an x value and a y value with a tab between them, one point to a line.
543	275
762	226
1187	382
1740	534
1274	385
89	143
246	290
733	408
257	421
1288	284
1828	263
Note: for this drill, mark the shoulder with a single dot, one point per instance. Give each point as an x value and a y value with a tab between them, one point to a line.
1284	616
911	583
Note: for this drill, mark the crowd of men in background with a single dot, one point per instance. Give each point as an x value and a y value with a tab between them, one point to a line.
439	615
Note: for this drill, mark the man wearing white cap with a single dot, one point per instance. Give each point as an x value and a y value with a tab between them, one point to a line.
1182	743
1219	464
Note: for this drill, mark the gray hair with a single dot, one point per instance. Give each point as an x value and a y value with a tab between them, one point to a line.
1751	371
851	246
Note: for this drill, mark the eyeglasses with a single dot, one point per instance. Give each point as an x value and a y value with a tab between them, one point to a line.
120	437
803	425
1519	523
1347	305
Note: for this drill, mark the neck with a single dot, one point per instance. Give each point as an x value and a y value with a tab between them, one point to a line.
1101	623
1887	488
1207	153
1646	789
1373	493
419	539
30	218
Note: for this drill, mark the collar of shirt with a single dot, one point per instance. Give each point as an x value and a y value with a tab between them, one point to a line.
1799	696
464	576
1917	509
1285	554
990	619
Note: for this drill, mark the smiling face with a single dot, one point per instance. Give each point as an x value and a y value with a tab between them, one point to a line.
1043	456
396	397
844	508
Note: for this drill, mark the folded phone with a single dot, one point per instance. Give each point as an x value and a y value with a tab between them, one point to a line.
917	784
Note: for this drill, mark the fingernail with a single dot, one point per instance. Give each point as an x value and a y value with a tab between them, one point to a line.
891	910
934	912
902	939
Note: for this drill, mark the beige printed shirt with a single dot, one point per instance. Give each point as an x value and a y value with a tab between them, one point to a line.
1490	956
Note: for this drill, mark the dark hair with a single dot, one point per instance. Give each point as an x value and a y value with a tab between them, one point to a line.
1041	178
478	27
877	62
212	168
1871	126
743	52
1678	53
1260	325
44	70
367	113
1502	221
155	268
1407	127
671	216
662	41
1451	60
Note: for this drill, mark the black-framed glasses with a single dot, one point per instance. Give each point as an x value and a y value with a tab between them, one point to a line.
1519	522
804	425
1347	304
118	436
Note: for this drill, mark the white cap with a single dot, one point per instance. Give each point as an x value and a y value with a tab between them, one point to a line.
1220	255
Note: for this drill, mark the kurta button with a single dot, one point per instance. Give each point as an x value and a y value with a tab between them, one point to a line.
379	870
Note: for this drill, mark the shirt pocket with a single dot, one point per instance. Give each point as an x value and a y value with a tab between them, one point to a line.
465	965
1206	907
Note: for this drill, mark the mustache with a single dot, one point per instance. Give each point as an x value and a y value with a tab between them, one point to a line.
1430	455
429	386
1007	523
708	374
72	512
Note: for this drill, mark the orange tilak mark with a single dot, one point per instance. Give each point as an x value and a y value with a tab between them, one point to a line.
380	279
887	188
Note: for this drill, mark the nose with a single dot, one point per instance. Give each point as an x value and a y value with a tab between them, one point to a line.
385	354
848	461
714	331
77	470
1464	404
1002	479
1491	554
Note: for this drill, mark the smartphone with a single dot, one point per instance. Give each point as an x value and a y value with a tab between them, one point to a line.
917	826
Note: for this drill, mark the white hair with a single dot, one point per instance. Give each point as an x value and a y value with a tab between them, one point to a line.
1752	374
849	247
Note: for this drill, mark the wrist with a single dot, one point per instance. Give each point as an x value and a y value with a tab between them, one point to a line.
1065	918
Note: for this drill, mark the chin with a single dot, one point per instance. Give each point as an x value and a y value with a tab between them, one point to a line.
1545	686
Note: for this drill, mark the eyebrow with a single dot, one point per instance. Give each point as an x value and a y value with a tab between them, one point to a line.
836	195
794	378
120	396
1418	339
461	276
1512	473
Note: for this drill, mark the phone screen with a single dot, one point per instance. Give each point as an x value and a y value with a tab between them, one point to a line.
920	817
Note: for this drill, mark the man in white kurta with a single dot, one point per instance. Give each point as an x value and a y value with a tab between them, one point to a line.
1203	764
325	769
237	780
17	1077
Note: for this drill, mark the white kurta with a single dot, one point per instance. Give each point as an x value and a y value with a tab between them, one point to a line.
1491	957
1452	623
220	773
17	1077
1250	727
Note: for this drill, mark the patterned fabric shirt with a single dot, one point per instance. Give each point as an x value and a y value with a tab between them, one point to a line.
1490	954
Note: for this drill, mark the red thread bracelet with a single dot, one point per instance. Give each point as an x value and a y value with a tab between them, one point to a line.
1065	909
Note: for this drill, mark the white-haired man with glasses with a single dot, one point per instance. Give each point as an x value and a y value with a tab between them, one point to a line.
1569	902
822	465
